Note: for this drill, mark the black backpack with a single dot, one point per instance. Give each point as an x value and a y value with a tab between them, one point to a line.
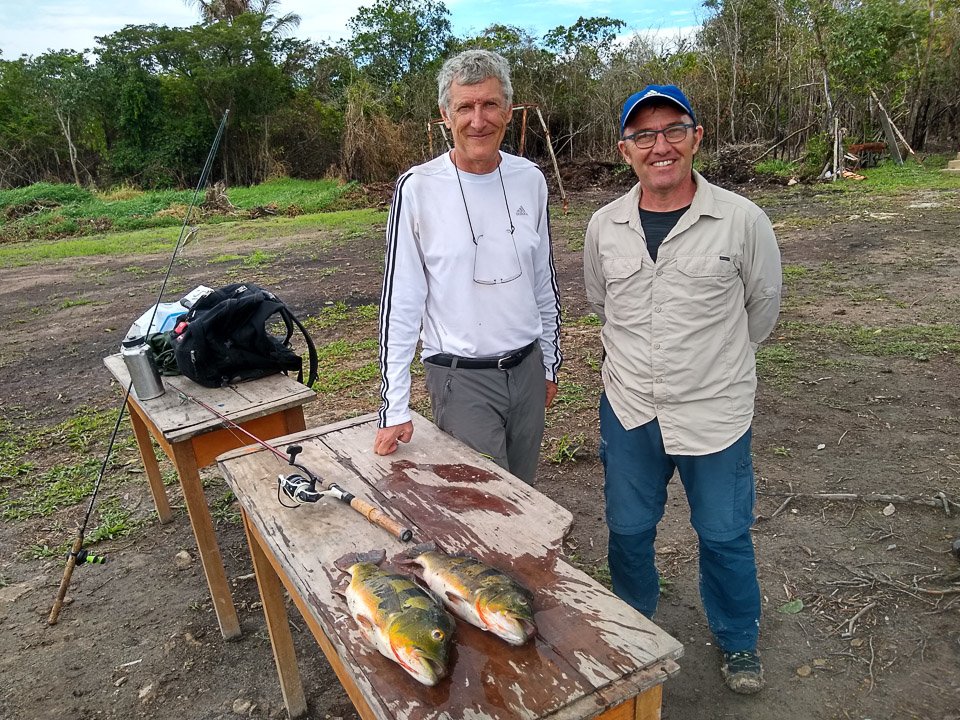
224	338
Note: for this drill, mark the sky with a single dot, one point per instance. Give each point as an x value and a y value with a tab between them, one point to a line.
36	26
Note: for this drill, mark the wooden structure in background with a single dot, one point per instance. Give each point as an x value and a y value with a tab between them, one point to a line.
524	109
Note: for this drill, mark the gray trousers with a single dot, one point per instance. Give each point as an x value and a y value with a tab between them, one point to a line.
499	413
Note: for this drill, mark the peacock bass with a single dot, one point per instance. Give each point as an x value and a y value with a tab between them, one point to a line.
480	594
398	617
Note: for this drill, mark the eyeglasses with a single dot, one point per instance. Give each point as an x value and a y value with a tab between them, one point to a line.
648	138
493	264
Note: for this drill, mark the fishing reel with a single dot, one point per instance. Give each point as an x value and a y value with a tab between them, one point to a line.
300	487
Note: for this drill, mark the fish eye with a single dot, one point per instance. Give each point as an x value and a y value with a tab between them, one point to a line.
437	634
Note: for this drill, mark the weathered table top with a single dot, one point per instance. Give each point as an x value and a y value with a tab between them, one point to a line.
592	650
180	419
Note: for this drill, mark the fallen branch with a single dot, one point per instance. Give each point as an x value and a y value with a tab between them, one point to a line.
849	623
940	500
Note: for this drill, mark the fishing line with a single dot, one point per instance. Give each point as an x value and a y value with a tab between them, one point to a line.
74	556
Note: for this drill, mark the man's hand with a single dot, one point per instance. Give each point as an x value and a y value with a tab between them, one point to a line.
388	438
551	392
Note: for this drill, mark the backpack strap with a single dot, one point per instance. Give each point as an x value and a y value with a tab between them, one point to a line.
313	360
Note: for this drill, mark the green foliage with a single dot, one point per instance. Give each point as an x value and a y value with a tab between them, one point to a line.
41	195
565	448
777	364
143	105
917	342
45	211
114	522
60	486
226	509
344	365
817	154
588	320
776	168
395	38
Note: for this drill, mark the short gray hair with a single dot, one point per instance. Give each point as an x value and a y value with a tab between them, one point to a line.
472	67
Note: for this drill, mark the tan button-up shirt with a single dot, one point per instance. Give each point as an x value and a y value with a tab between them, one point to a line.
680	333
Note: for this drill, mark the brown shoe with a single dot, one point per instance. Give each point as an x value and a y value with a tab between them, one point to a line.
742	672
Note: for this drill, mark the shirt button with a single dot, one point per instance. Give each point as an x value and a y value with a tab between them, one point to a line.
659	272
659	380
657	309
656	346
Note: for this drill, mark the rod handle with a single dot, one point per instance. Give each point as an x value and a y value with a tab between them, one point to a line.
381	519
65	582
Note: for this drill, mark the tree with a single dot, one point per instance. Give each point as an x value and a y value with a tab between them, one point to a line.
63	79
396	38
212	11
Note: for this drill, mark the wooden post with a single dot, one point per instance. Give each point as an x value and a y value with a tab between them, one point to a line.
430	137
885	116
836	142
553	158
888	132
523	130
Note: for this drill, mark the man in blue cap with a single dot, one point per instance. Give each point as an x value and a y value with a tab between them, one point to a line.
686	277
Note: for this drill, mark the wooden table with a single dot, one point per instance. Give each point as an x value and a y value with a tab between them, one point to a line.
594	655
192	437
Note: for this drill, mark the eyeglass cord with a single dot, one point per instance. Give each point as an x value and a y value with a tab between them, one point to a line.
467	209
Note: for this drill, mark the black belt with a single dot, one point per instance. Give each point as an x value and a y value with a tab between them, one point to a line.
501	362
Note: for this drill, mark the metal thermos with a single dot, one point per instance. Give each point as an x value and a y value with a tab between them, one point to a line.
143	371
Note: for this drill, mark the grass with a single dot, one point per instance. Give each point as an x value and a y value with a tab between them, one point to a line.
339	312
915	342
46	211
778	365
345	224
565	448
338	367
59	487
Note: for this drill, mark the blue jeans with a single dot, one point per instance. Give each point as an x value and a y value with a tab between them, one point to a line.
720	490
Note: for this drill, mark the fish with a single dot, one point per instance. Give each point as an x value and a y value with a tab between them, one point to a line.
477	593
398	617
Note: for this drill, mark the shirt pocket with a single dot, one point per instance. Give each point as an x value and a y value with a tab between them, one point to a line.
624	302
709	279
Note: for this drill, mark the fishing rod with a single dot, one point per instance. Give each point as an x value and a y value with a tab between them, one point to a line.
302	487
77	554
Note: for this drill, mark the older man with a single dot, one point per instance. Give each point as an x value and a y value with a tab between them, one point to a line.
686	277
469	271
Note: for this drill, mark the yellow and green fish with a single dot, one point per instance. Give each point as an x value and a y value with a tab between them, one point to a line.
398	617
481	595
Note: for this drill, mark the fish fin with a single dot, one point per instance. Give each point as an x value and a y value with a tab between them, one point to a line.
345	562
455	598
418	550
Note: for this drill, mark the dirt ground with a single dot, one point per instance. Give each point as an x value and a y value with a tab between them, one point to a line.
859	395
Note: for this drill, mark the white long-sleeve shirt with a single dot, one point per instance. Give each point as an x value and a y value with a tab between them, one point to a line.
680	333
430	288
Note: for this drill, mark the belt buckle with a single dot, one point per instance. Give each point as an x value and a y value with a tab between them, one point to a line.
501	361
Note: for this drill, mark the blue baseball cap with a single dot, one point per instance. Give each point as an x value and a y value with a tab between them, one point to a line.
670	93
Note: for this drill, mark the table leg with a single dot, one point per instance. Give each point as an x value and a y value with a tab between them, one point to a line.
645	706
275	612
149	459
202	523
294	420
649	703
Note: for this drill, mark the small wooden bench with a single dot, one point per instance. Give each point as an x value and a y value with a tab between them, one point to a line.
192	437
593	656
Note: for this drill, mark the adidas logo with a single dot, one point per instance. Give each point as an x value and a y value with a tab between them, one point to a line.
521	211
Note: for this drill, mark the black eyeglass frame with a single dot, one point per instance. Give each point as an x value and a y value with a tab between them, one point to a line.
653	133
